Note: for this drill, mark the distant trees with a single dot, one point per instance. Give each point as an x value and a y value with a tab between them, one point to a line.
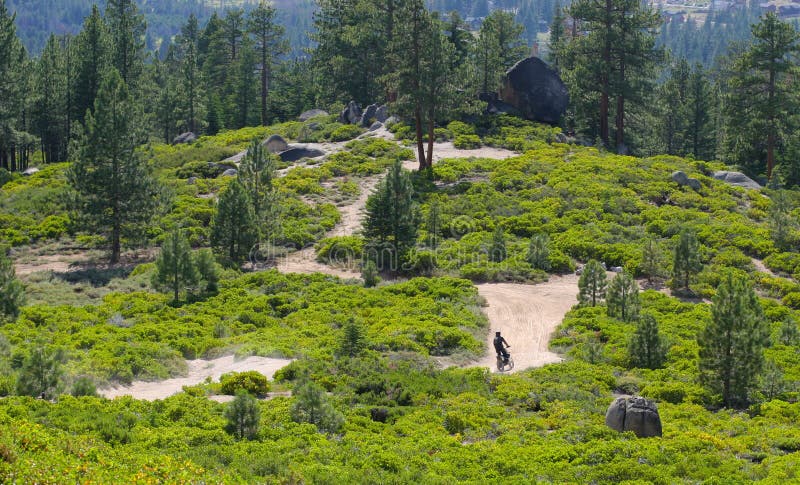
177	268
269	43
592	283
732	343
115	192
498	47
311	405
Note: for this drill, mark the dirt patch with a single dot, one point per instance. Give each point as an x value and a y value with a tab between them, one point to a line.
199	370
527	315
762	268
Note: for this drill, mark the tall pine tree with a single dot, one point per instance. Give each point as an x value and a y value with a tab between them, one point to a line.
115	192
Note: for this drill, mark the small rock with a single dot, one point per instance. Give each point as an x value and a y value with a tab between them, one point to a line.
191	180
682	179
187	137
275	144
561	138
231	172
312	113
376	126
30	171
296	153
391	121
616	269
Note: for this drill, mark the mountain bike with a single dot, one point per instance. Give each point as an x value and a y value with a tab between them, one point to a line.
503	365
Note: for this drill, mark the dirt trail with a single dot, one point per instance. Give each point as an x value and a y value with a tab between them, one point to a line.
527	315
198	371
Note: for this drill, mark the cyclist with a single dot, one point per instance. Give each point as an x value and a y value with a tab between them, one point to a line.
499	341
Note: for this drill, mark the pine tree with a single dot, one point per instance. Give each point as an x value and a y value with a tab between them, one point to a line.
732	343
700	137
115	191
269	43
12	292
652	259
592	283
789	334
647	349
434	224
497	251
781	222
175	267
622	298
191	75
311	405
92	56
12	90
233	231
390	225
50	101
369	273
244	416
207	269
41	373
127	28
762	95
539	251
499	46
612	61
256	172
557	37
686	260
353	340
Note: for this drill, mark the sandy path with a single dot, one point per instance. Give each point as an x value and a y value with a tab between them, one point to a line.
527	315
761	267
58	263
198	371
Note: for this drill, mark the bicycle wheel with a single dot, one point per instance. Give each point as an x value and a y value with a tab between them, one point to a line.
510	364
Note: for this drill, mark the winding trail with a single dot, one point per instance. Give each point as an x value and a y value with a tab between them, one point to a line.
199	370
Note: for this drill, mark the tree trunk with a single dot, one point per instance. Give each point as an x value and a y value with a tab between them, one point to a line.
420	136
431	138
264	86
771	126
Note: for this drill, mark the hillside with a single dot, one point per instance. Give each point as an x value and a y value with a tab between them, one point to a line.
391	413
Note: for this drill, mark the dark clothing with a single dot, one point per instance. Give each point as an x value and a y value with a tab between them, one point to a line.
498	347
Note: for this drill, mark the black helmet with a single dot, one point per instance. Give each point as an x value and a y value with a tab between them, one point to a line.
497	334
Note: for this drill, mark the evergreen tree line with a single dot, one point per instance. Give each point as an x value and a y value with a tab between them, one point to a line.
229	74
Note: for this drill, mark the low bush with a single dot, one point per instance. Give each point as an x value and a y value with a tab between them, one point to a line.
252	382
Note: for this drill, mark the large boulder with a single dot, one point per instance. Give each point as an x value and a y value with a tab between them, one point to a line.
535	90
382	113
737	178
351	114
275	144
369	115
680	178
312	113
187	137
635	414
296	153
495	106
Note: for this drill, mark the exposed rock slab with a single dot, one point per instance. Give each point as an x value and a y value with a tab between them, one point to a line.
635	414
737	179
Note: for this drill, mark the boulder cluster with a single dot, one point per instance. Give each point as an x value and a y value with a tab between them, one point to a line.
352	114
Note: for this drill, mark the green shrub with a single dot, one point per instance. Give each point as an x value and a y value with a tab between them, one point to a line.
252	382
458	128
467	142
346	132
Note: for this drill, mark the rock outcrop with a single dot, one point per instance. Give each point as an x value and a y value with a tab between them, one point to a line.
296	153
535	91
682	179
187	137
737	178
275	144
351	114
312	113
635	414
